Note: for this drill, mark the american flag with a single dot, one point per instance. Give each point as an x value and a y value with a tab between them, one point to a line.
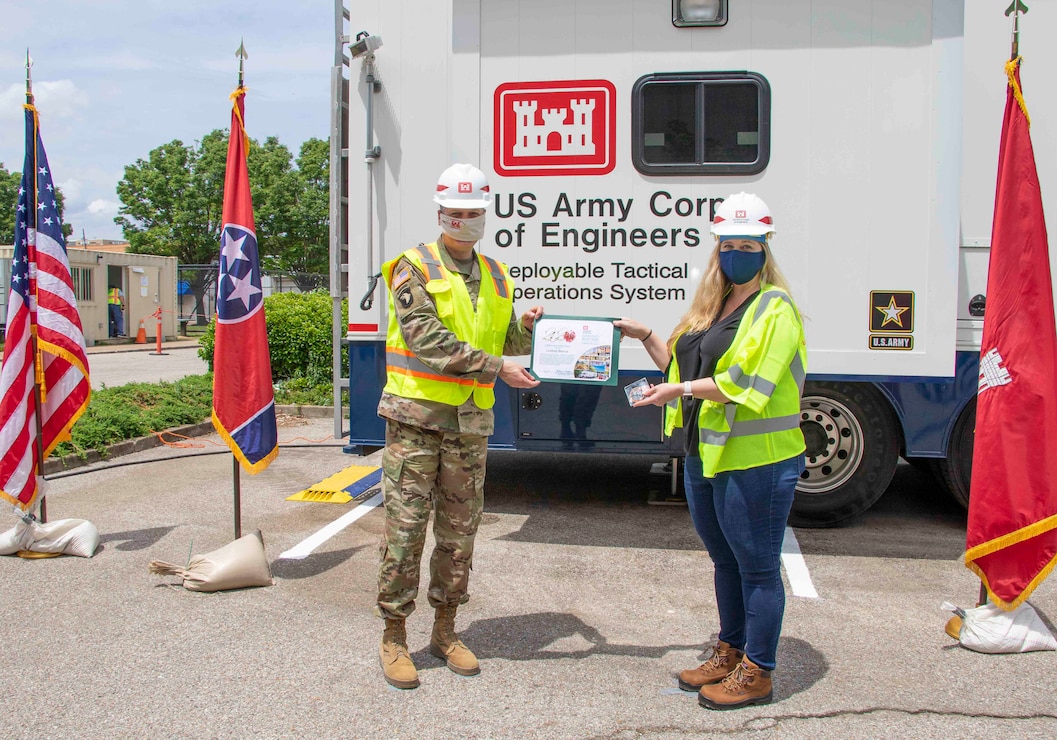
44	344
243	399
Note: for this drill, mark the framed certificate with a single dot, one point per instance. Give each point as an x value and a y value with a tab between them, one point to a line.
575	349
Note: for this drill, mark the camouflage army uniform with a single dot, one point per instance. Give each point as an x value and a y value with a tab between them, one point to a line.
434	456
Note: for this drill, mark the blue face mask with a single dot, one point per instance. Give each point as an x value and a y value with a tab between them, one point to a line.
741	267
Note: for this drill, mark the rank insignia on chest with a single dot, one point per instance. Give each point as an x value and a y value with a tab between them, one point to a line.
405	297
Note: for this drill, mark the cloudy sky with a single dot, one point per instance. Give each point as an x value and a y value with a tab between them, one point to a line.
114	79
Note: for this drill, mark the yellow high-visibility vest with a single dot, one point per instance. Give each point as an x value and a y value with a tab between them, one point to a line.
114	296
484	328
762	372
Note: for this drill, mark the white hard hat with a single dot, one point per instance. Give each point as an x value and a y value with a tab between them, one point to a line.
462	186
742	214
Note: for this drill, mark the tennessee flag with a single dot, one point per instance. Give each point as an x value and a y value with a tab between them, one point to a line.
243	401
1011	541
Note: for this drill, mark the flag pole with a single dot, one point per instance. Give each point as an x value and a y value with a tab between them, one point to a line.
236	476
38	411
243	397
1015	9
242	55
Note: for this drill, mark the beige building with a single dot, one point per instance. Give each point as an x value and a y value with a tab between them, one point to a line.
148	282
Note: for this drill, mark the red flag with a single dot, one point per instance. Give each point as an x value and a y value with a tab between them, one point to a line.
243	400
1011	542
44	342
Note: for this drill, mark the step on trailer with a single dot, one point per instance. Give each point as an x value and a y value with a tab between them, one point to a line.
611	129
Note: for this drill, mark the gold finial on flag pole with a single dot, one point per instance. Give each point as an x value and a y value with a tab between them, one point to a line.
242	55
29	79
1015	9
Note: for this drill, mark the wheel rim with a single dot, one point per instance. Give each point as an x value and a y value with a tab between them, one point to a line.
834	441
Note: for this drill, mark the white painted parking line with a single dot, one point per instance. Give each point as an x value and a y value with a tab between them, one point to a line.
796	568
304	548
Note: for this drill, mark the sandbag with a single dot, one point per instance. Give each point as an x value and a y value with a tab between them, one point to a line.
990	629
62	537
239	564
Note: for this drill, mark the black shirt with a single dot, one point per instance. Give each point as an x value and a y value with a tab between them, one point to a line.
697	354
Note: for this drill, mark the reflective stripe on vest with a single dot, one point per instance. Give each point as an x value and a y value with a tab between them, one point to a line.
498	277
404	361
431	261
762	385
748	427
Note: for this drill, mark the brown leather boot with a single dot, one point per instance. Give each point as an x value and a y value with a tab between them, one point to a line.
713	670
396	662
747	684
447	646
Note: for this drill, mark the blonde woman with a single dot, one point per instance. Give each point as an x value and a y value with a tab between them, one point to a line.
735	368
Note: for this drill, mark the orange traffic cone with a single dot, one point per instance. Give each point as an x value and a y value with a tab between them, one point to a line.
141	335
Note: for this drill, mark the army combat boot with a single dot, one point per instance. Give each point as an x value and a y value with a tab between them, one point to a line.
747	684
396	663
713	670
447	646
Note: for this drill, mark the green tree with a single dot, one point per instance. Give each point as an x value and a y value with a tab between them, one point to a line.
295	212
172	203
271	184
304	254
9	184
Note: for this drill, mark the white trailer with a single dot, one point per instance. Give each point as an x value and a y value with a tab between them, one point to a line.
610	129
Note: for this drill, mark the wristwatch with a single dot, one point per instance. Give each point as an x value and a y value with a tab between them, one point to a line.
688	392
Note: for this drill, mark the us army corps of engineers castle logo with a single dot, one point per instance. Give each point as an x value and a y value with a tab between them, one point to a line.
555	128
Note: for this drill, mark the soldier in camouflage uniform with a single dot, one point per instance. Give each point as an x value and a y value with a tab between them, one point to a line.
443	355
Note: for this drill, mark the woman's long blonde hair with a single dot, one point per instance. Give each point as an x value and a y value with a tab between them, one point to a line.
713	288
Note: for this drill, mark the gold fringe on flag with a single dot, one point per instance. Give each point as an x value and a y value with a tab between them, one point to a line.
1011	68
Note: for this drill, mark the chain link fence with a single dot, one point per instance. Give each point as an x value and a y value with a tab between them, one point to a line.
196	291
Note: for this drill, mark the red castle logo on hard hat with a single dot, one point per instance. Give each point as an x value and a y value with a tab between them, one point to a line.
465	187
741	214
555	128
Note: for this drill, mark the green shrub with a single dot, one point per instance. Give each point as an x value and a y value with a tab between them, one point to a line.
303	392
299	340
138	409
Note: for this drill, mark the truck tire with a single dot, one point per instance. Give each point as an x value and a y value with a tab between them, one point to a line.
955	470
853	446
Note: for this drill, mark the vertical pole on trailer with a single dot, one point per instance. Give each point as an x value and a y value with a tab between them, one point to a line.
338	155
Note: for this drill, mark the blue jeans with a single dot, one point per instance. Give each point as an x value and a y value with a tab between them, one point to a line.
117	320
740	515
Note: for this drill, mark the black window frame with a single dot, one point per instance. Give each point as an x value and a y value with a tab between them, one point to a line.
638	144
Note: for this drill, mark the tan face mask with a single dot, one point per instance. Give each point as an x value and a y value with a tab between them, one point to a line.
463	229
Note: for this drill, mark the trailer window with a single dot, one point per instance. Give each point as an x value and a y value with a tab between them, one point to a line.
707	123
81	277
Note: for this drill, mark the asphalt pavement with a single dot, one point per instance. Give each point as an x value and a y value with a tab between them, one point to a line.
586	601
111	365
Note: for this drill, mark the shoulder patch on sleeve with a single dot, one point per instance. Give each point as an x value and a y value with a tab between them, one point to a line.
401	277
405	297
